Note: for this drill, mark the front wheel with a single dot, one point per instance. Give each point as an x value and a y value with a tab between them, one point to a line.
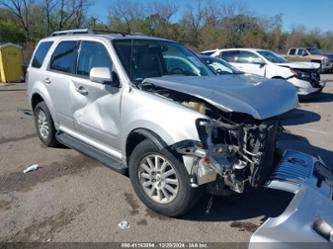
161	180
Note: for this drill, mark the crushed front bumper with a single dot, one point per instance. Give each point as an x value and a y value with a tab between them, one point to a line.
305	89
312	182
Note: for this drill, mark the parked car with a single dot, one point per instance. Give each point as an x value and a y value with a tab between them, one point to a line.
150	108
304	76
313	55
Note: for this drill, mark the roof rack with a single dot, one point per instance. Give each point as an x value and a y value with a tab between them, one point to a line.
86	31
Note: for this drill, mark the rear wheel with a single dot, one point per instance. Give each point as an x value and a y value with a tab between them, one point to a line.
44	125
161	180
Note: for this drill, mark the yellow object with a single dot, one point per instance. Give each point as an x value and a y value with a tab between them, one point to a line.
11	63
196	106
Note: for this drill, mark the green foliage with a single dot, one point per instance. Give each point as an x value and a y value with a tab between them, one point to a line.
10	30
205	24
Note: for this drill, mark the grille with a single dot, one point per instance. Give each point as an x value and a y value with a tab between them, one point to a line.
312	75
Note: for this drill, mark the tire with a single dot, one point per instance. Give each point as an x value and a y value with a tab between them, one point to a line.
43	118
177	204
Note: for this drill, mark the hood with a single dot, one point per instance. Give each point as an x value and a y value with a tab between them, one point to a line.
329	56
257	96
300	65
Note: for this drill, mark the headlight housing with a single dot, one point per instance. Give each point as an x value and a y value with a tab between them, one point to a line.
300	75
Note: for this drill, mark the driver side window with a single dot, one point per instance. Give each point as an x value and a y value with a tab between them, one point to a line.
302	52
92	54
247	57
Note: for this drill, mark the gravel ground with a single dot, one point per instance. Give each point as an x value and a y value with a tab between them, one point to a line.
74	198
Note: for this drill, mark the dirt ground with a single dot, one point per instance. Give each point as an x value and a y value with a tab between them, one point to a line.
74	198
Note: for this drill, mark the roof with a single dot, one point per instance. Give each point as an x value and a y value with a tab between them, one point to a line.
244	49
9	44
76	34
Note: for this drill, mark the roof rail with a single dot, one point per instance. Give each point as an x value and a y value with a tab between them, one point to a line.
70	32
86	31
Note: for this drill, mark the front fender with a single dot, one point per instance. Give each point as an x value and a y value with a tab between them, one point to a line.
171	121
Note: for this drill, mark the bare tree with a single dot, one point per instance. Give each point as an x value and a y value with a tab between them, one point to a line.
81	7
212	12
127	11
193	20
71	13
49	7
234	8
164	9
20	9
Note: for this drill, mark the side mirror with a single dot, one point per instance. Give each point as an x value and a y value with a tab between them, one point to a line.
259	61
103	75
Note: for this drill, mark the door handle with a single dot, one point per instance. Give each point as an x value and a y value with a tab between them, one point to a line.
47	81
81	90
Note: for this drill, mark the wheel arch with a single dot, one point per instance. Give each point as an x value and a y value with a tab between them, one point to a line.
39	95
138	135
35	99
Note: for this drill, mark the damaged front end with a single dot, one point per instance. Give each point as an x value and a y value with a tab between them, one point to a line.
240	153
237	133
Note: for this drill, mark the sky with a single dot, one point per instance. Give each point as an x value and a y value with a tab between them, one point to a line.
310	13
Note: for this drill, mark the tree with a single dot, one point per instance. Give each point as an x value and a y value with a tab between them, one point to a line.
126	11
49	8
10	30
71	14
19	8
192	21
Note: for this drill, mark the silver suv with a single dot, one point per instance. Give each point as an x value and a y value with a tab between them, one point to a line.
150	108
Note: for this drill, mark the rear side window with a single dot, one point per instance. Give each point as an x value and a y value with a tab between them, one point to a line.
292	51
230	56
40	54
65	56
92	54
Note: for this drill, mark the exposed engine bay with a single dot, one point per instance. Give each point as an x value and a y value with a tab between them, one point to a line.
238	148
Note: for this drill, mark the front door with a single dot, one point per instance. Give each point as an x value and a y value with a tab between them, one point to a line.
95	106
249	62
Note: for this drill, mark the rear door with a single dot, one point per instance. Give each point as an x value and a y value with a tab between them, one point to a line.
95	106
58	78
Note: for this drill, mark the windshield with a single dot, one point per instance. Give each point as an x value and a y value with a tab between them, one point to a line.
154	58
272	57
219	66
314	51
